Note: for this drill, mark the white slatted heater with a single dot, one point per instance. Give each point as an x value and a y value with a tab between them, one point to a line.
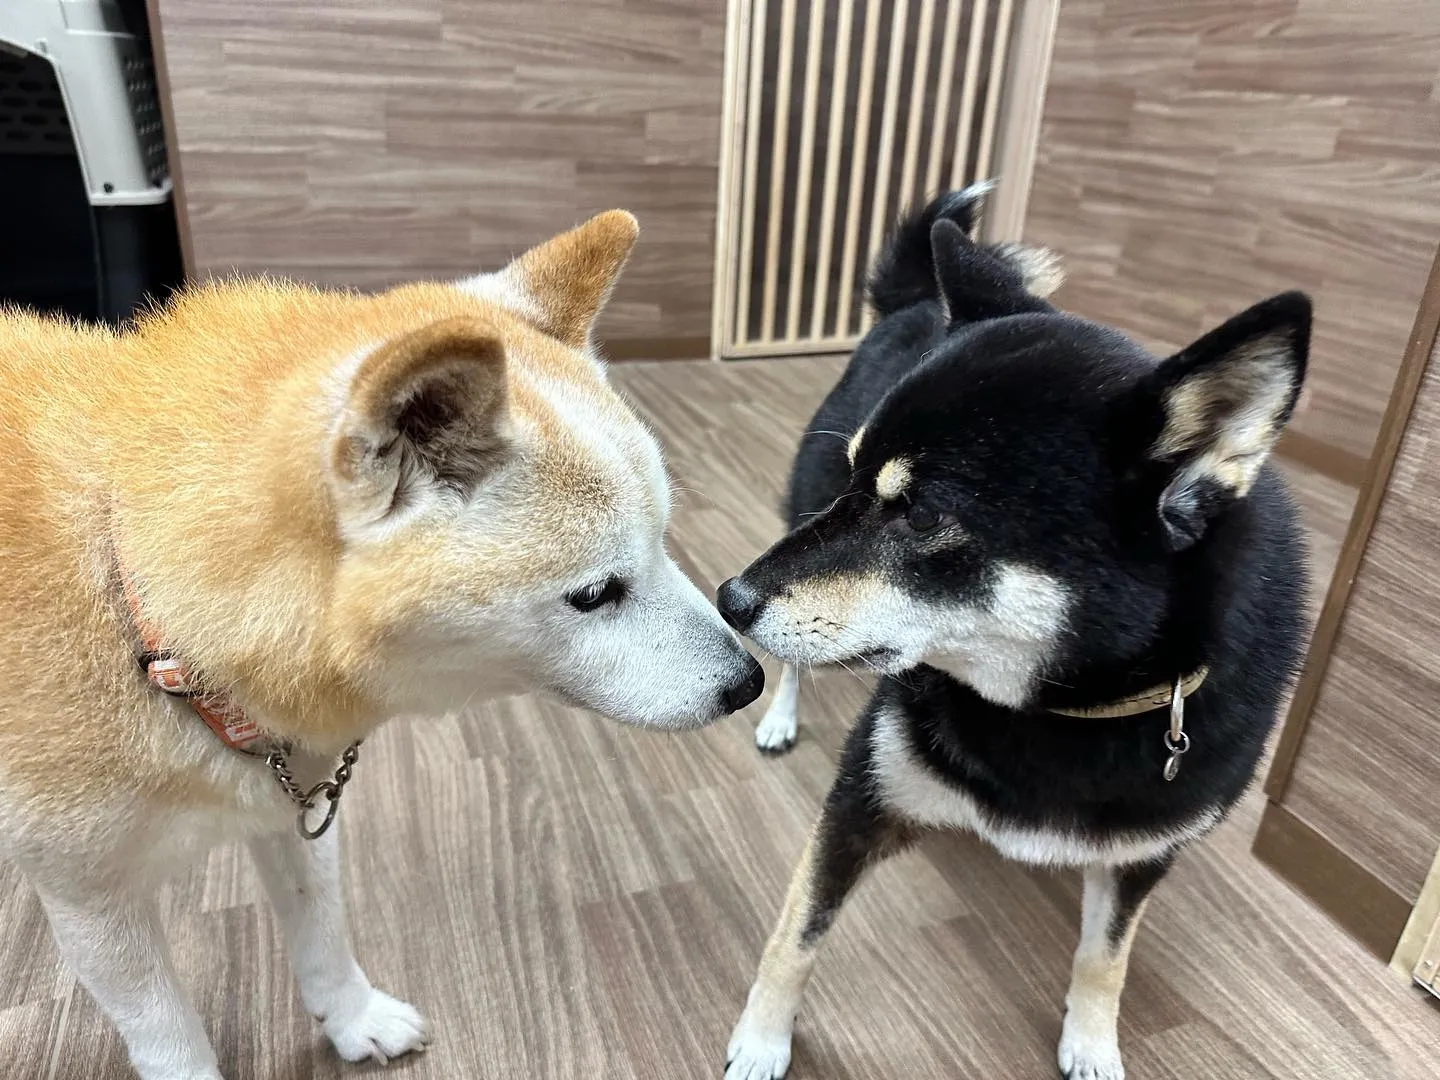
837	116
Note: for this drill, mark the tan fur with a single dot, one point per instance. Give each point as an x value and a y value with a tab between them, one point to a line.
892	479
571	277
1097	977
828	599
1088	1040
1235	413
462	360
853	446
788	961
220	445
1040	268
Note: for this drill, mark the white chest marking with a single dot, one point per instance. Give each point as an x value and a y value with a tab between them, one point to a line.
911	788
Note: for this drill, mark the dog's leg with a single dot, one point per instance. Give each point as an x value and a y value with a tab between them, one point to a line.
1114	900
854	832
776	731
116	947
302	878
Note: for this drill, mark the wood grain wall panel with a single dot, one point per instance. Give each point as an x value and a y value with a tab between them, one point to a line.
364	143
1365	774
1197	157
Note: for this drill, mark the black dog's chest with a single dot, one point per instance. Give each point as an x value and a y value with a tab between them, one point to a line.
1093	778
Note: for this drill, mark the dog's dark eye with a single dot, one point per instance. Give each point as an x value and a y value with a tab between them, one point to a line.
597	595
921	518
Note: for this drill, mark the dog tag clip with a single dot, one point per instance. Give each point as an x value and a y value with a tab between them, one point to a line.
1176	741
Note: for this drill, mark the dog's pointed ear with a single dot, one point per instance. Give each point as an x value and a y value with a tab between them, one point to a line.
561	285
1225	400
978	283
427	408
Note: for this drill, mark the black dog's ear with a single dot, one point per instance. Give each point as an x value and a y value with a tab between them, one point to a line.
978	283
1225	400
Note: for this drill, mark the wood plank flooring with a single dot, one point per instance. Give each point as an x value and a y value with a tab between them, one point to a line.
568	898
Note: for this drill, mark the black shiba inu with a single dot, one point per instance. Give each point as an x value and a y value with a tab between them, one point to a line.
1079	577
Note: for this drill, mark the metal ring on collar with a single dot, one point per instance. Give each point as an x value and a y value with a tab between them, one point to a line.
332	794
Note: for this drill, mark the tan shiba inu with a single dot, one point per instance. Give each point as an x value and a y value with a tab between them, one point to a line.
302	513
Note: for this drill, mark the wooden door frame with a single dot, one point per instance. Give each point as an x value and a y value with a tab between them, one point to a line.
1367	907
1421	927
1357	535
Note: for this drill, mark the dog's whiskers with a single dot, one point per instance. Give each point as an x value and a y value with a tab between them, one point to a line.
854	674
822	513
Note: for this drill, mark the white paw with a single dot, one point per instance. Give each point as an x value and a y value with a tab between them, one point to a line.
382	1028
776	731
752	1055
168	1072
1088	1055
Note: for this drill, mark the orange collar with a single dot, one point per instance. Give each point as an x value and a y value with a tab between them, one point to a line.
169	674
172	675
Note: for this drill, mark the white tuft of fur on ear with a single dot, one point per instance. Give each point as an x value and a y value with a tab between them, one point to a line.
1225	401
1232	413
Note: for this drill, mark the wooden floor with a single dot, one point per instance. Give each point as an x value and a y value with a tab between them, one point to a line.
567	898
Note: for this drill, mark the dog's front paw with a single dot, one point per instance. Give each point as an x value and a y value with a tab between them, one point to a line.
754	1055
776	731
380	1027
1088	1055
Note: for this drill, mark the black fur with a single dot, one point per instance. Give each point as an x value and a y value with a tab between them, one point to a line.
1132	885
903	275
905	289
1034	431
1039	448
855	832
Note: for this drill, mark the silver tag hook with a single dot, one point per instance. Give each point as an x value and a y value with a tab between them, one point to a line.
1176	741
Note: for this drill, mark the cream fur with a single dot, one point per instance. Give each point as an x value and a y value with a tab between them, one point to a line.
998	648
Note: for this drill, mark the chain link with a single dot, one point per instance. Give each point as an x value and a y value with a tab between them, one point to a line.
279	764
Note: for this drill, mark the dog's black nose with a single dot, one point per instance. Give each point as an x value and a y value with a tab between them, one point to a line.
738	604
746	690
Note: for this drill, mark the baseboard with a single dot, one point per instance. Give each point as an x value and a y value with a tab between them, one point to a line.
1368	909
1324	458
656	348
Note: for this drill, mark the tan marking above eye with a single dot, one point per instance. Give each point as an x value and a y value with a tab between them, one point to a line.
893	478
853	447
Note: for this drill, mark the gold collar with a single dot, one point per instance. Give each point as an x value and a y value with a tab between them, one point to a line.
1156	697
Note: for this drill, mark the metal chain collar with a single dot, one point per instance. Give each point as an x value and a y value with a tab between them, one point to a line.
331	789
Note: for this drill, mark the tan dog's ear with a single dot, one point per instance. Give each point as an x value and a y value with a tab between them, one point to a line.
565	281
428	407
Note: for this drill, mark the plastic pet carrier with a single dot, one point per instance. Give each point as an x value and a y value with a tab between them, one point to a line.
87	227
